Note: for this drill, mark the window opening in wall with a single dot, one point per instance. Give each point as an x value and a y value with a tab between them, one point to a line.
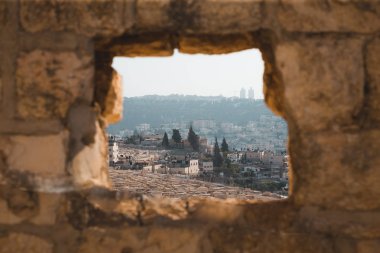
179	110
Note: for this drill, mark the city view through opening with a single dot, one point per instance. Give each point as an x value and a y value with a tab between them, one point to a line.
197	126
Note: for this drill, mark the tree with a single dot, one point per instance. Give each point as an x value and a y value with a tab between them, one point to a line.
165	141
193	139
217	158
176	136
224	147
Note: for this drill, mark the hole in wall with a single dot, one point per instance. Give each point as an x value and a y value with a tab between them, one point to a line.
220	97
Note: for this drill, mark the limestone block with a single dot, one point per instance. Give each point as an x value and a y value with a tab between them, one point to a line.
86	17
89	165
152	15
329	16
3	13
6	216
227	16
143	46
49	205
214	44
373	89
368	246
323	81
20	242
49	82
113	111
206	16
44	156
337	170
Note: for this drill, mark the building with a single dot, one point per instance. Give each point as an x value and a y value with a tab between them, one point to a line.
207	166
192	169
243	93
251	93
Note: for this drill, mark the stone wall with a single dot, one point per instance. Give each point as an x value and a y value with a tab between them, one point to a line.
58	92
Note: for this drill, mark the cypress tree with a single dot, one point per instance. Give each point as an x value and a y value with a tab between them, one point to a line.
176	136
193	139
165	141
224	145
217	158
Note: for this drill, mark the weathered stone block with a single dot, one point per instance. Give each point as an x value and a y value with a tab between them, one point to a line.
214	44
373	85
49	206
336	170
368	246
19	242
43	156
113	111
329	16
3	13
210	16
6	216
223	17
87	17
49	82
89	165
323	81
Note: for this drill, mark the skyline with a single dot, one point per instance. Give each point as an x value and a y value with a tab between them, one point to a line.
224	74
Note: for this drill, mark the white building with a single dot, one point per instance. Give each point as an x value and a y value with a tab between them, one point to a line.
242	93
251	93
113	152
192	169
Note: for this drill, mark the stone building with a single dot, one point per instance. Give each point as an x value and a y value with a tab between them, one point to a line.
58	92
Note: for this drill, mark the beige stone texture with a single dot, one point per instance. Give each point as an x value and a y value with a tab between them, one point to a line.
19	242
6	216
152	15
113	111
214	44
343	167
92	18
89	165
145	46
49	82
44	156
368	246
3	13
223	17
323	81
50	204
373	72
329	16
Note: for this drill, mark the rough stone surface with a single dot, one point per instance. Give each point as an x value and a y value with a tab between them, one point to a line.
321	74
315	98
48	160
89	166
347	179
48	82
329	16
373	82
90	18
18	242
113	111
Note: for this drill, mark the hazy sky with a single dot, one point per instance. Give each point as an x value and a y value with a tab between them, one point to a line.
203	75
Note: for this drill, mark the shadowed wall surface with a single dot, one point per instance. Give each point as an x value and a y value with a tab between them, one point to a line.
58	92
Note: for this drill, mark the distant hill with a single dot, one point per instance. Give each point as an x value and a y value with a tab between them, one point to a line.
156	110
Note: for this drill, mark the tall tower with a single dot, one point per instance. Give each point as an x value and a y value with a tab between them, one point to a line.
251	93
242	93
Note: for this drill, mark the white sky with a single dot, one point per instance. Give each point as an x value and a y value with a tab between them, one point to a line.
203	75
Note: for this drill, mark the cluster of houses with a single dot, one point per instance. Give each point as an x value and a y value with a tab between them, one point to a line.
251	163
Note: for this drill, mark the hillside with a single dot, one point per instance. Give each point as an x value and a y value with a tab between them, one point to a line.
157	110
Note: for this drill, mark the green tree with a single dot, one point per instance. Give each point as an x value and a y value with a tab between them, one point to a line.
217	158
176	136
193	139
224	147
165	141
